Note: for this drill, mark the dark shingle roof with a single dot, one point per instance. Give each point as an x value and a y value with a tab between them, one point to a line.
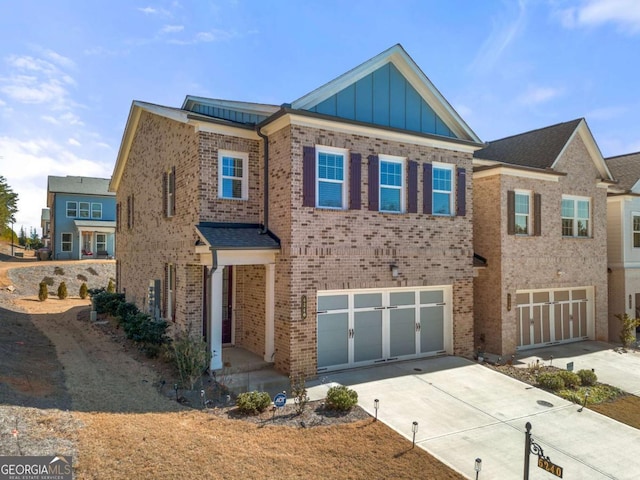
537	148
238	236
625	169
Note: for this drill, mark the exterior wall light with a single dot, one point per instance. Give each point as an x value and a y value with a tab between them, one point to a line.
394	270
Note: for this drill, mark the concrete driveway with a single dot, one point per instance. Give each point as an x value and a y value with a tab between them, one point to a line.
466	411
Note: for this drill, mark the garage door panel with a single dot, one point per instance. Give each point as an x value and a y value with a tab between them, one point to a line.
432	329
367	336
333	348
402	332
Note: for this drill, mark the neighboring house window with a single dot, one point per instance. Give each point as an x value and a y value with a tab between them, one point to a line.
72	209
391	184
96	211
101	242
636	231
331	185
233	174
84	209
575	217
442	189
522	213
67	242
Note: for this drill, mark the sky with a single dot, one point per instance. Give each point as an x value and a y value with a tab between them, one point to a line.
69	70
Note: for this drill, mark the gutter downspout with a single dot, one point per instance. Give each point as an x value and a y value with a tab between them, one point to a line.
265	194
214	261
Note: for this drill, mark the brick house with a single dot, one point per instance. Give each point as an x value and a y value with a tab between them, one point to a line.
329	233
540	221
623	246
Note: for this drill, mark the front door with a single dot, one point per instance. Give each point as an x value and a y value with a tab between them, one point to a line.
227	305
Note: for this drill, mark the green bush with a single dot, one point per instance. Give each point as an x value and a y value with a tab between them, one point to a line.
588	378
43	292
628	331
341	398
111	288
48	281
570	379
84	291
192	357
107	303
551	381
253	402
125	310
62	291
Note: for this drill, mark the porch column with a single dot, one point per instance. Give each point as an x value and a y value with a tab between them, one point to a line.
216	319
80	232
269	302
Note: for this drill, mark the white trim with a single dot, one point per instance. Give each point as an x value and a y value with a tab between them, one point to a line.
96	203
632	231
62	242
319	149
67	209
403	185
80	209
528	194
370	131
575	199
237	257
515	172
244	180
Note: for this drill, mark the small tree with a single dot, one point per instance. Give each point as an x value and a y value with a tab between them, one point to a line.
84	291
111	288
43	292
628	332
62	291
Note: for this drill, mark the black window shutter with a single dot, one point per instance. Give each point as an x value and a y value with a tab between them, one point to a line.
173	190
133	210
165	293
374	183
537	214
511	212
308	176
118	220
461	191
427	180
165	189
412	186
355	180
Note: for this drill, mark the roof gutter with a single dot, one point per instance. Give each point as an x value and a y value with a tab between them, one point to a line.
214	261
265	189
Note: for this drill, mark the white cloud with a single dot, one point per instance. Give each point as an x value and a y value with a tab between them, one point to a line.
503	33
154	11
172	29
592	13
535	95
27	89
74	142
59	59
214	35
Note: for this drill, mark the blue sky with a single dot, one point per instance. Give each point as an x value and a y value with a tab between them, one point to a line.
69	70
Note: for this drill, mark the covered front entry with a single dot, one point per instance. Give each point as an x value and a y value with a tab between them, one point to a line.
545	317
364	327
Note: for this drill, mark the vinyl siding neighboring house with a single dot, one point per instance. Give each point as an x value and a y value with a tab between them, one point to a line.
540	222
355	249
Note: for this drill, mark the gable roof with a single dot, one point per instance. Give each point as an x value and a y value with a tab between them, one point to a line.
237	236
408	99
625	169
542	148
79	185
240	112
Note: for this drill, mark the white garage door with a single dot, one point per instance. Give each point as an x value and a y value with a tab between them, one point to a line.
554	316
363	327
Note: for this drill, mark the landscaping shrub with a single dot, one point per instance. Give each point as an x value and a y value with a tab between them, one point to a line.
588	378
92	271
111	288
253	402
84	291
570	379
551	381
628	331
81	277
299	392
107	303
341	398
125	310
43	292
58	271
48	281
62	291
192	357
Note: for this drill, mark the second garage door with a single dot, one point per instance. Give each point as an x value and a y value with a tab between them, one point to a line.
361	327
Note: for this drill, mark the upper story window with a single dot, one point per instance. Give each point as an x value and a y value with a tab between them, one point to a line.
72	209
84	209
96	211
522	213
391	184
331	185
233	175
576	215
636	230
442	189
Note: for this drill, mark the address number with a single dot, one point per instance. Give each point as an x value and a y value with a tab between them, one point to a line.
550	467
